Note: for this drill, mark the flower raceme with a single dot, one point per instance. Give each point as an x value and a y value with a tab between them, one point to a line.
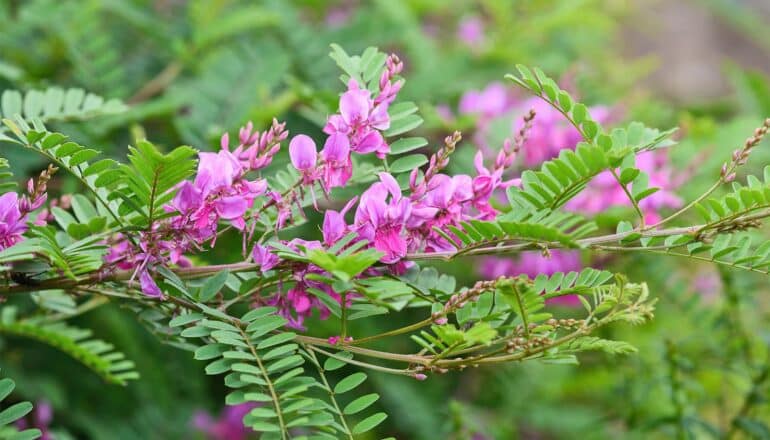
228	191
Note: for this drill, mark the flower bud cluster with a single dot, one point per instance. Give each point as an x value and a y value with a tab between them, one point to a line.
741	155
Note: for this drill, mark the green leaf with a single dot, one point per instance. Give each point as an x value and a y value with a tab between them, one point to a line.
276	340
349	383
212	286
6	387
360	404
403	125
332	364
408	163
27	434
405	145
369	423
14	412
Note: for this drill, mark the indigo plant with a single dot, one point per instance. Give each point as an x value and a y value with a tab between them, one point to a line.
350	231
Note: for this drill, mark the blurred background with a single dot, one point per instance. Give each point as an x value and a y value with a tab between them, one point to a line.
191	70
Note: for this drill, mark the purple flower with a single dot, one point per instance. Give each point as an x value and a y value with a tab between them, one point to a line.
12	222
492	101
219	191
302	151
551	132
264	257
148	285
382	221
471	31
337	164
604	192
360	120
41	419
532	264
229	425
334	225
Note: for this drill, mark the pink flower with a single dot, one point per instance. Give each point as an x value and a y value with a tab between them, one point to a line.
302	151
334	225
382	221
217	170
551	132
337	164
361	120
41	419
532	264
229	425
444	204
334	340
471	31
492	101
12	221
219	191
264	257
485	183
120	253
148	285
604	191
298	303
358	125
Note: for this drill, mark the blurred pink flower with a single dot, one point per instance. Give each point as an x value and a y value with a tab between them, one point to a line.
493	101
40	418
229	424
550	132
604	192
532	264
470	31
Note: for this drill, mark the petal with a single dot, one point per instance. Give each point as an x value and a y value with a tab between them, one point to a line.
148	285
369	143
336	148
231	207
355	106
478	162
380	119
391	185
188	198
302	151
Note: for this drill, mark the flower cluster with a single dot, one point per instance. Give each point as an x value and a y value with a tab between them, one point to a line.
14	210
357	128
298	303
546	136
220	191
549	134
12	222
393	218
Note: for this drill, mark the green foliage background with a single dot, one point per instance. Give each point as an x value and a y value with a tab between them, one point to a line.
191	70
